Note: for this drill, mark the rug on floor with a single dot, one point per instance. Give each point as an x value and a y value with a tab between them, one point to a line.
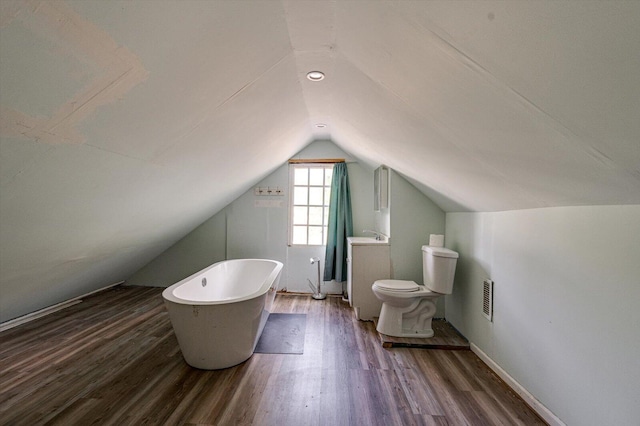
283	334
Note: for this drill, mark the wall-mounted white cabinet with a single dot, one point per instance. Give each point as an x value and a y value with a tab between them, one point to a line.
381	188
368	260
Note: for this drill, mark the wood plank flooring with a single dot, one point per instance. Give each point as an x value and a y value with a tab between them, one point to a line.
114	360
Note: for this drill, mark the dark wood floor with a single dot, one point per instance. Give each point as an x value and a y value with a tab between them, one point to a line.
114	360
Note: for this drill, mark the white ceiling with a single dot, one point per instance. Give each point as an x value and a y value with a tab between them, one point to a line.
124	124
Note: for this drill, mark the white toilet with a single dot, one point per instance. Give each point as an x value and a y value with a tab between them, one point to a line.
408	308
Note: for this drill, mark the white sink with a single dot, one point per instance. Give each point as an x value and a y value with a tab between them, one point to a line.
366	241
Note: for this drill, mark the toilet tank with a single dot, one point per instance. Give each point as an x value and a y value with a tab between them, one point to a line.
438	268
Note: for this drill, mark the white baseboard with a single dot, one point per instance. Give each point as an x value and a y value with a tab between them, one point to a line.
50	309
536	405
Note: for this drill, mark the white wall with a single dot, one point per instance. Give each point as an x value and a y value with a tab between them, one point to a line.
566	315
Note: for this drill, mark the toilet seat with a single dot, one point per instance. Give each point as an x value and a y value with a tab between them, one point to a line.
398	285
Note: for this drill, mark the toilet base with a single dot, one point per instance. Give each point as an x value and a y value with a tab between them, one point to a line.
424	333
409	334
413	321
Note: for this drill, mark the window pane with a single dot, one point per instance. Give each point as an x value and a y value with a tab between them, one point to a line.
300	215
310	198
315	215
299	235
315	196
300	176
327	176
316	176
300	195
315	235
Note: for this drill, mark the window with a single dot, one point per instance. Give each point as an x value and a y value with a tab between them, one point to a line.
309	199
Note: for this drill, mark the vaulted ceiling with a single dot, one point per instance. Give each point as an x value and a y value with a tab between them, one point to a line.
124	124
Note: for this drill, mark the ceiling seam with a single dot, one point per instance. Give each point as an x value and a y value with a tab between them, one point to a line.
250	83
449	140
447	46
205	117
297	53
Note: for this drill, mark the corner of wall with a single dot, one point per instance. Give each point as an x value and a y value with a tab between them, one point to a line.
203	246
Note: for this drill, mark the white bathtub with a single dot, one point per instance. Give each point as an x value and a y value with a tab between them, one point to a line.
218	313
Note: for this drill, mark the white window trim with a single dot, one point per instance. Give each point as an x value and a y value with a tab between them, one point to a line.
292	167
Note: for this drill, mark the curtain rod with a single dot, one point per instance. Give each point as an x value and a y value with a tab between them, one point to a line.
316	160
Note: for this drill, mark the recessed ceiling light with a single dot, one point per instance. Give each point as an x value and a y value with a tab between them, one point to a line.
321	125
315	75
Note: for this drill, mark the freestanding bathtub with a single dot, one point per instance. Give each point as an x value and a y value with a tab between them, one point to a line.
218	313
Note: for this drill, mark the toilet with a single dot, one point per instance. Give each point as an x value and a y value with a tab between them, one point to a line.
408	308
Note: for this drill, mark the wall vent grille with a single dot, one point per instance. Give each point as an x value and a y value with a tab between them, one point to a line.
487	299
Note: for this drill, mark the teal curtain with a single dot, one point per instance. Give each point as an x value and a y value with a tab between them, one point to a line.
340	225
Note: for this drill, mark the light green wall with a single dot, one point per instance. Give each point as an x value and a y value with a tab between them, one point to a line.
200	248
412	218
567	287
256	226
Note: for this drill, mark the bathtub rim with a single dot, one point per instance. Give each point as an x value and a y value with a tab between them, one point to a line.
168	295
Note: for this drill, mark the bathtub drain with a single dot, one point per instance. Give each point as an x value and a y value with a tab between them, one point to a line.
204	282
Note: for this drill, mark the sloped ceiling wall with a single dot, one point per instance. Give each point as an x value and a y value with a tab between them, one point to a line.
125	124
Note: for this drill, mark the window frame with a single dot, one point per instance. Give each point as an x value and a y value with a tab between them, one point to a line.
326	199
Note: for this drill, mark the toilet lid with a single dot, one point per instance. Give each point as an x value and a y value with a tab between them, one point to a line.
398	285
